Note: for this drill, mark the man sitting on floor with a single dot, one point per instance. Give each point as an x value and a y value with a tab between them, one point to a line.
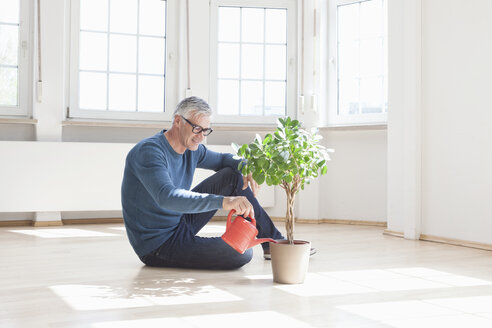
162	216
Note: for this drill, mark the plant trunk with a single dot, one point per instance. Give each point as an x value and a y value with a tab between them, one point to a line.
289	217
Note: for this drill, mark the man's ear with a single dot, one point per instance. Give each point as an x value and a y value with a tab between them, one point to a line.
177	119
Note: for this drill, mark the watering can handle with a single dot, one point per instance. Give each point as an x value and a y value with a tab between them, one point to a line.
229	219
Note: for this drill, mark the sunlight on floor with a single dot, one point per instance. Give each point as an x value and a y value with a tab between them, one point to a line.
373	281
317	284
453	312
62	233
236	320
93	297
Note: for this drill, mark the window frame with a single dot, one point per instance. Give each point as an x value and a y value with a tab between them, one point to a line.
24	65
334	118
170	72
291	60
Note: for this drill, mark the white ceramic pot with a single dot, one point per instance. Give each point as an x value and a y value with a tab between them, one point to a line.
290	262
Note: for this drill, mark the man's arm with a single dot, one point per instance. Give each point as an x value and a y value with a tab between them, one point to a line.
151	169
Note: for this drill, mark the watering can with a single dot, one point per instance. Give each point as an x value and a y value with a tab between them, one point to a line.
241	234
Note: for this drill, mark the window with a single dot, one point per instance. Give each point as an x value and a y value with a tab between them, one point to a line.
252	54
14	57
118	59
358	49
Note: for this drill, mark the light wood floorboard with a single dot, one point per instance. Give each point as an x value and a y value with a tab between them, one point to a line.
88	276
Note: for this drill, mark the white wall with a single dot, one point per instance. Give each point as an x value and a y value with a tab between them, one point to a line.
456	125
355	185
457	129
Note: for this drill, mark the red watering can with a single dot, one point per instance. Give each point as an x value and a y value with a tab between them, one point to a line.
241	234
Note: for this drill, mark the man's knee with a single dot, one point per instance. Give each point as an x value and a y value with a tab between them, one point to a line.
242	259
233	175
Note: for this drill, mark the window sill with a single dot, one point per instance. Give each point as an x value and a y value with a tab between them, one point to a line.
244	127
29	121
164	124
349	127
116	124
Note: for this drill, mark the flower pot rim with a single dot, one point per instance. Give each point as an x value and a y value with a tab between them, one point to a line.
296	242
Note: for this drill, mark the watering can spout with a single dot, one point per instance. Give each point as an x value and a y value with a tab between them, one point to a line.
260	241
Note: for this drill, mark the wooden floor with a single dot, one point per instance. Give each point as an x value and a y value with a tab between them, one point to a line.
88	276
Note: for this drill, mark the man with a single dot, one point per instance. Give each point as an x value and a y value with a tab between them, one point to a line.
162	216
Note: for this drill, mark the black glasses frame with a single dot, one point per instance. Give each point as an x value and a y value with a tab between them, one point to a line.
197	129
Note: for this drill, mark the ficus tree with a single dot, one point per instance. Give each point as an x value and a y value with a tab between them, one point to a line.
289	157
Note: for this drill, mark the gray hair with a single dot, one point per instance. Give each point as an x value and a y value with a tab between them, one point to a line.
192	106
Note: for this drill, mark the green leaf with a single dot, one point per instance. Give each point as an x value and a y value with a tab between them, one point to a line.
268	139
285	155
235	146
324	170
258	139
259	177
263	163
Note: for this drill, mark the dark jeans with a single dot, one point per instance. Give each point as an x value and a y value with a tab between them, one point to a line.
187	250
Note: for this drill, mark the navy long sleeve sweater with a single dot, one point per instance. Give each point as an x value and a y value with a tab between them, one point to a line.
155	192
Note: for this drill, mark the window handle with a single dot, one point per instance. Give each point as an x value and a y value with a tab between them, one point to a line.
24	48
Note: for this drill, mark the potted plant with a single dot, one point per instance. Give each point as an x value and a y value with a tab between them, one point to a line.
289	158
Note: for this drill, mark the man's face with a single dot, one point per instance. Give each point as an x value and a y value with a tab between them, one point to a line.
189	139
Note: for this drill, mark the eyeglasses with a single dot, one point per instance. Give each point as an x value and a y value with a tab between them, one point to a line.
196	129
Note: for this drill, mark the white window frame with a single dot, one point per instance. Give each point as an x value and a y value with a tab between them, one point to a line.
291	87
24	88
334	118
170	80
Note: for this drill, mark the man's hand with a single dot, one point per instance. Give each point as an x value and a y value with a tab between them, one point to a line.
248	179
239	203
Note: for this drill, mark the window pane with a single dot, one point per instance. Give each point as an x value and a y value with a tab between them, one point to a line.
151	94
9	12
228	60
94	15
123	18
122	92
92	90
371	18
228	97
251	98
348	22
275	98
8	86
93	51
151	55
371	60
276	26
229	24
123	53
348	62
153	17
9	44
252	24
252	61
348	97
371	94
275	62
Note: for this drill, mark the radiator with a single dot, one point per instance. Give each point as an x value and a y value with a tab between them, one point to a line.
71	176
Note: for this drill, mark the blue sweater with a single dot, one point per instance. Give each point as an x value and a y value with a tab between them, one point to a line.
155	192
